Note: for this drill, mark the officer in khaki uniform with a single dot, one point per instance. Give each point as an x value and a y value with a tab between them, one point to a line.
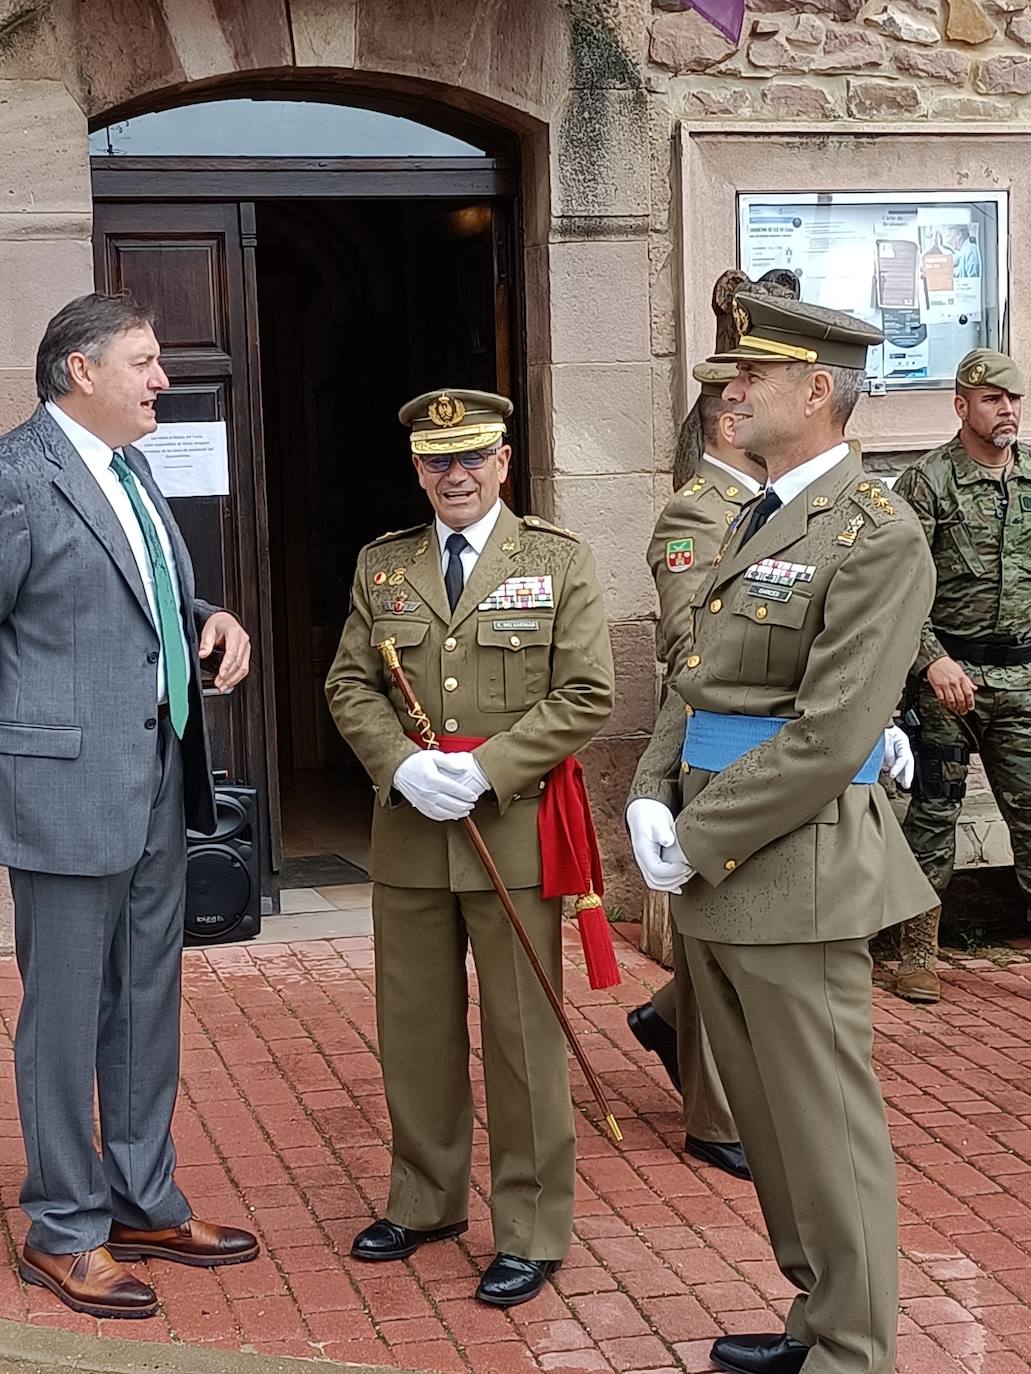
790	859
501	631
971	682
687	537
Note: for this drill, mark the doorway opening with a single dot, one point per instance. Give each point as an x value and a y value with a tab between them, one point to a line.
362	305
313	266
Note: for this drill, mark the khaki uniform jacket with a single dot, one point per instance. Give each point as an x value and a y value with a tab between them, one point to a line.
535	682
700	514
787	849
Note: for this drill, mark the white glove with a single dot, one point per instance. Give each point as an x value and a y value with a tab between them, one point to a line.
663	864
464	769
431	789
898	756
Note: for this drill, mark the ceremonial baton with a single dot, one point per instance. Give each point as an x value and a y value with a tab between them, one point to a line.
390	657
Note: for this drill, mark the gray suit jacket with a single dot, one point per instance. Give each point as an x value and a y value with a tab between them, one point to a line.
77	676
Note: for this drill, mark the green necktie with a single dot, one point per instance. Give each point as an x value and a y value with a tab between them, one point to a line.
169	625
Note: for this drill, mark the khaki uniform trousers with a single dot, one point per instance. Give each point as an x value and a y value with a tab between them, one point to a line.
707	1114
421	939
792	1031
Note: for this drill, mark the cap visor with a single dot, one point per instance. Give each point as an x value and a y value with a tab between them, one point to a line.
456	440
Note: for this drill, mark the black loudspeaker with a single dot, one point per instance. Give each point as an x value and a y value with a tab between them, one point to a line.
223	884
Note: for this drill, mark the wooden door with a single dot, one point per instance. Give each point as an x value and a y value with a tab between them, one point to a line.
193	263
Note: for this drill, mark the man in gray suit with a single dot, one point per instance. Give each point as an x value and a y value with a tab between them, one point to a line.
103	765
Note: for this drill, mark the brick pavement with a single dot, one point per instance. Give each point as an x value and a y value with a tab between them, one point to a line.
282	1127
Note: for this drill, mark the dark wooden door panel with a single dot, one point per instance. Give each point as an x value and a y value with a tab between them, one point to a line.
188	262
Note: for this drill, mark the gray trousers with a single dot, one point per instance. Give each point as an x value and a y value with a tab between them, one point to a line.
100	963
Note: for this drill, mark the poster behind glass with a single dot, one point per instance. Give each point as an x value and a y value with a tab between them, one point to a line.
929	269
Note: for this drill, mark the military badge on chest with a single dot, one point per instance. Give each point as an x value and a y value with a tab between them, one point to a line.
679	555
774	578
520	594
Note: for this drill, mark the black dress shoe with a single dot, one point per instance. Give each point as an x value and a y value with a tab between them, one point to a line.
657	1037
385	1240
510	1280
729	1157
759	1354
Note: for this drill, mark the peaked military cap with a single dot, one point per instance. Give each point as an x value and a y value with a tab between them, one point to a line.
713	377
985	367
455	421
774	329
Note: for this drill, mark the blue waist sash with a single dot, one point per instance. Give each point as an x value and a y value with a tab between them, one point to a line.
713	741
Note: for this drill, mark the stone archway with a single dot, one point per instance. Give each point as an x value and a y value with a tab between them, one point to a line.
564	77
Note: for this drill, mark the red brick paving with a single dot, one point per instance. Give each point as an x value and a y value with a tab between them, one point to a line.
281	1127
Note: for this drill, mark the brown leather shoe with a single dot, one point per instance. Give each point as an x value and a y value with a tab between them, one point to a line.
194	1242
90	1281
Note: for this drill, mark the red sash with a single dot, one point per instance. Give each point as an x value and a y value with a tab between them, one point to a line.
570	859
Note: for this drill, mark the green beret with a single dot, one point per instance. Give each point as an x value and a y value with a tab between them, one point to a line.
774	329
453	421
985	367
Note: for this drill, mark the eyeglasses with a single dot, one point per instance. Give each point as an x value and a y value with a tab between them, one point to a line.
470	461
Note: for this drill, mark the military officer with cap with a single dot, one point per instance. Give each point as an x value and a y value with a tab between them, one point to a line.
971	683
803	633
687	537
501	630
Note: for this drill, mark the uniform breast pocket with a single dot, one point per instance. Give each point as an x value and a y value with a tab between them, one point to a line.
513	662
406	634
955	552
764	640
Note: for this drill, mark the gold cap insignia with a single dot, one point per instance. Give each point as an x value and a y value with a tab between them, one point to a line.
446	411
975	374
742	319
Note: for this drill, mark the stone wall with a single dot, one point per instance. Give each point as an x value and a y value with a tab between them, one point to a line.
834	59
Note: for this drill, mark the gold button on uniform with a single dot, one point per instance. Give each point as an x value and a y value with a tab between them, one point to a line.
450	683
732	491
819	502
515	641
450	643
760	612
863	486
694	660
716	606
730	865
451	725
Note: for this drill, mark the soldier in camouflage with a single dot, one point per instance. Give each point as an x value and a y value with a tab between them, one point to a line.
971	682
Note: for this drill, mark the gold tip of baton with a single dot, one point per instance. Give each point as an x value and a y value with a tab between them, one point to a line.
610	1121
386	648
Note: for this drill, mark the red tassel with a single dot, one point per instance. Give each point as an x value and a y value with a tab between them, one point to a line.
602	969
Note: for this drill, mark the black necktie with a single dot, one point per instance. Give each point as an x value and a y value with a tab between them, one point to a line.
454	577
761	512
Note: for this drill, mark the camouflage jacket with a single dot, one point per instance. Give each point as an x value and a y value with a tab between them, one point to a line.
979	530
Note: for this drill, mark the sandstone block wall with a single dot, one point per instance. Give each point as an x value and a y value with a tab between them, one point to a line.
856	59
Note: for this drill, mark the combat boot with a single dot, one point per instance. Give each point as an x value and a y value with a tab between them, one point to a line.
917	980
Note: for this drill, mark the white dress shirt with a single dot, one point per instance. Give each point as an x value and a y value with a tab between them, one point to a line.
749	483
793	483
476	536
97	457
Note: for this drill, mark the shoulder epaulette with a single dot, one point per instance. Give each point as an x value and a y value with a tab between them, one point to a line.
694	487
534	522
398	534
875	498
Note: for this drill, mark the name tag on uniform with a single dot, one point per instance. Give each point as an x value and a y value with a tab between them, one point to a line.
517	624
769	591
520	593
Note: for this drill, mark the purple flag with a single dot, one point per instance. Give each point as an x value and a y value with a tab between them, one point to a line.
726	15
